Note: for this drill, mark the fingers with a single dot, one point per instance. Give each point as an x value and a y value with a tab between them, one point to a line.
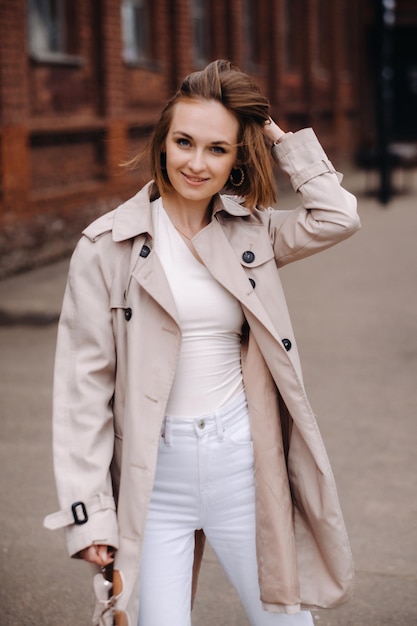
99	554
272	130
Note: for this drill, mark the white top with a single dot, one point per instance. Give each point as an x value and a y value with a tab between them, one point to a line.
209	371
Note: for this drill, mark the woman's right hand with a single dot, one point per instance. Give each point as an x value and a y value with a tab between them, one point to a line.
99	554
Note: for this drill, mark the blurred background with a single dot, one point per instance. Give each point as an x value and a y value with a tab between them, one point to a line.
81	85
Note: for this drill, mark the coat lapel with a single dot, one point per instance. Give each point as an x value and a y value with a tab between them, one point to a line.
149	273
133	220
220	259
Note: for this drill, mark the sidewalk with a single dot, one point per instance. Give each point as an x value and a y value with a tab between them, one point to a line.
354	309
34	297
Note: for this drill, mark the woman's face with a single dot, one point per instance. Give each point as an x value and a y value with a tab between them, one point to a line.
200	149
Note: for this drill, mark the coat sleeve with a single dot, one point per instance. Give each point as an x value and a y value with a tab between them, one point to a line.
83	433
327	213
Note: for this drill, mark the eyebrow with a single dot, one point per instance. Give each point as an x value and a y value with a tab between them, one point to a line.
212	143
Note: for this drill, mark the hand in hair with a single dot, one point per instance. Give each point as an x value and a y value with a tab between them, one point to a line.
273	131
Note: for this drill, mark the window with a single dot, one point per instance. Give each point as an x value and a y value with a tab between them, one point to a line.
200	35
51	30
324	37
293	40
46	26
349	33
252	34
137	19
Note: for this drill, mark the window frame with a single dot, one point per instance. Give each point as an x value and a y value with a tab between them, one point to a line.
200	19
50	39
323	20
252	35
293	50
138	51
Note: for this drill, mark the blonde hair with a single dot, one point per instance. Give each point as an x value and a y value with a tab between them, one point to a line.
239	94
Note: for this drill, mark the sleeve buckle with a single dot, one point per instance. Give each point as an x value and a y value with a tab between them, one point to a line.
79	513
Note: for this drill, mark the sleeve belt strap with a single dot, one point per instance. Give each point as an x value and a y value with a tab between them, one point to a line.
311	171
66	517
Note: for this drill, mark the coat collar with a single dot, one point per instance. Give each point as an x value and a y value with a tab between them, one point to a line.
134	216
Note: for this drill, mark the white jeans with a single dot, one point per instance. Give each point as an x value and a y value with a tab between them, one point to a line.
204	479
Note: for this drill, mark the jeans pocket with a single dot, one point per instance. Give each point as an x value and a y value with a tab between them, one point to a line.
239	433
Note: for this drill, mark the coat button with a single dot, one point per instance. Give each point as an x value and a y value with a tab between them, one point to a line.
128	314
145	251
252	282
248	256
287	344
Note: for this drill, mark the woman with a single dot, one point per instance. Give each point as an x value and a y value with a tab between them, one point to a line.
179	407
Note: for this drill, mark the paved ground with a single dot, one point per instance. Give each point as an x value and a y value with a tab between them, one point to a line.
355	314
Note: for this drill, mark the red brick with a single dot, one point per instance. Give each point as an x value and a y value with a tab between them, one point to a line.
66	127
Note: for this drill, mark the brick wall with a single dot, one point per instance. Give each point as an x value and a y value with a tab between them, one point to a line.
14	157
66	126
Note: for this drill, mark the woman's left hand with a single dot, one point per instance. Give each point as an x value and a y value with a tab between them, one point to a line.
273	131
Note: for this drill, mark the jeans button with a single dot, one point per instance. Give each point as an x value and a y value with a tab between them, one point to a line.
201	423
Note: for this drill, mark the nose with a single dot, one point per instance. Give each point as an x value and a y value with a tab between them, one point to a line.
196	162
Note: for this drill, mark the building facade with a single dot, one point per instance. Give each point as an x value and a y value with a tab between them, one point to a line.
82	83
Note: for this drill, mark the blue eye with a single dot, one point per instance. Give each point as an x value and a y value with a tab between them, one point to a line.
184	143
218	150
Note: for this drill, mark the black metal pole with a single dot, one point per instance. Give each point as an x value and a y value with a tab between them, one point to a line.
385	20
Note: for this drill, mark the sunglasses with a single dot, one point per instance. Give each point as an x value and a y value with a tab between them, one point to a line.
106	597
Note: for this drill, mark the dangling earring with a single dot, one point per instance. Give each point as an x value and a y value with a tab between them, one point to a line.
238	183
163	160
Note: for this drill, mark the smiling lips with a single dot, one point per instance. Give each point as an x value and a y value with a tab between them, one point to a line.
194	180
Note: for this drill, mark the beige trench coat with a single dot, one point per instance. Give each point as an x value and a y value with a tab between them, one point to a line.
118	345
